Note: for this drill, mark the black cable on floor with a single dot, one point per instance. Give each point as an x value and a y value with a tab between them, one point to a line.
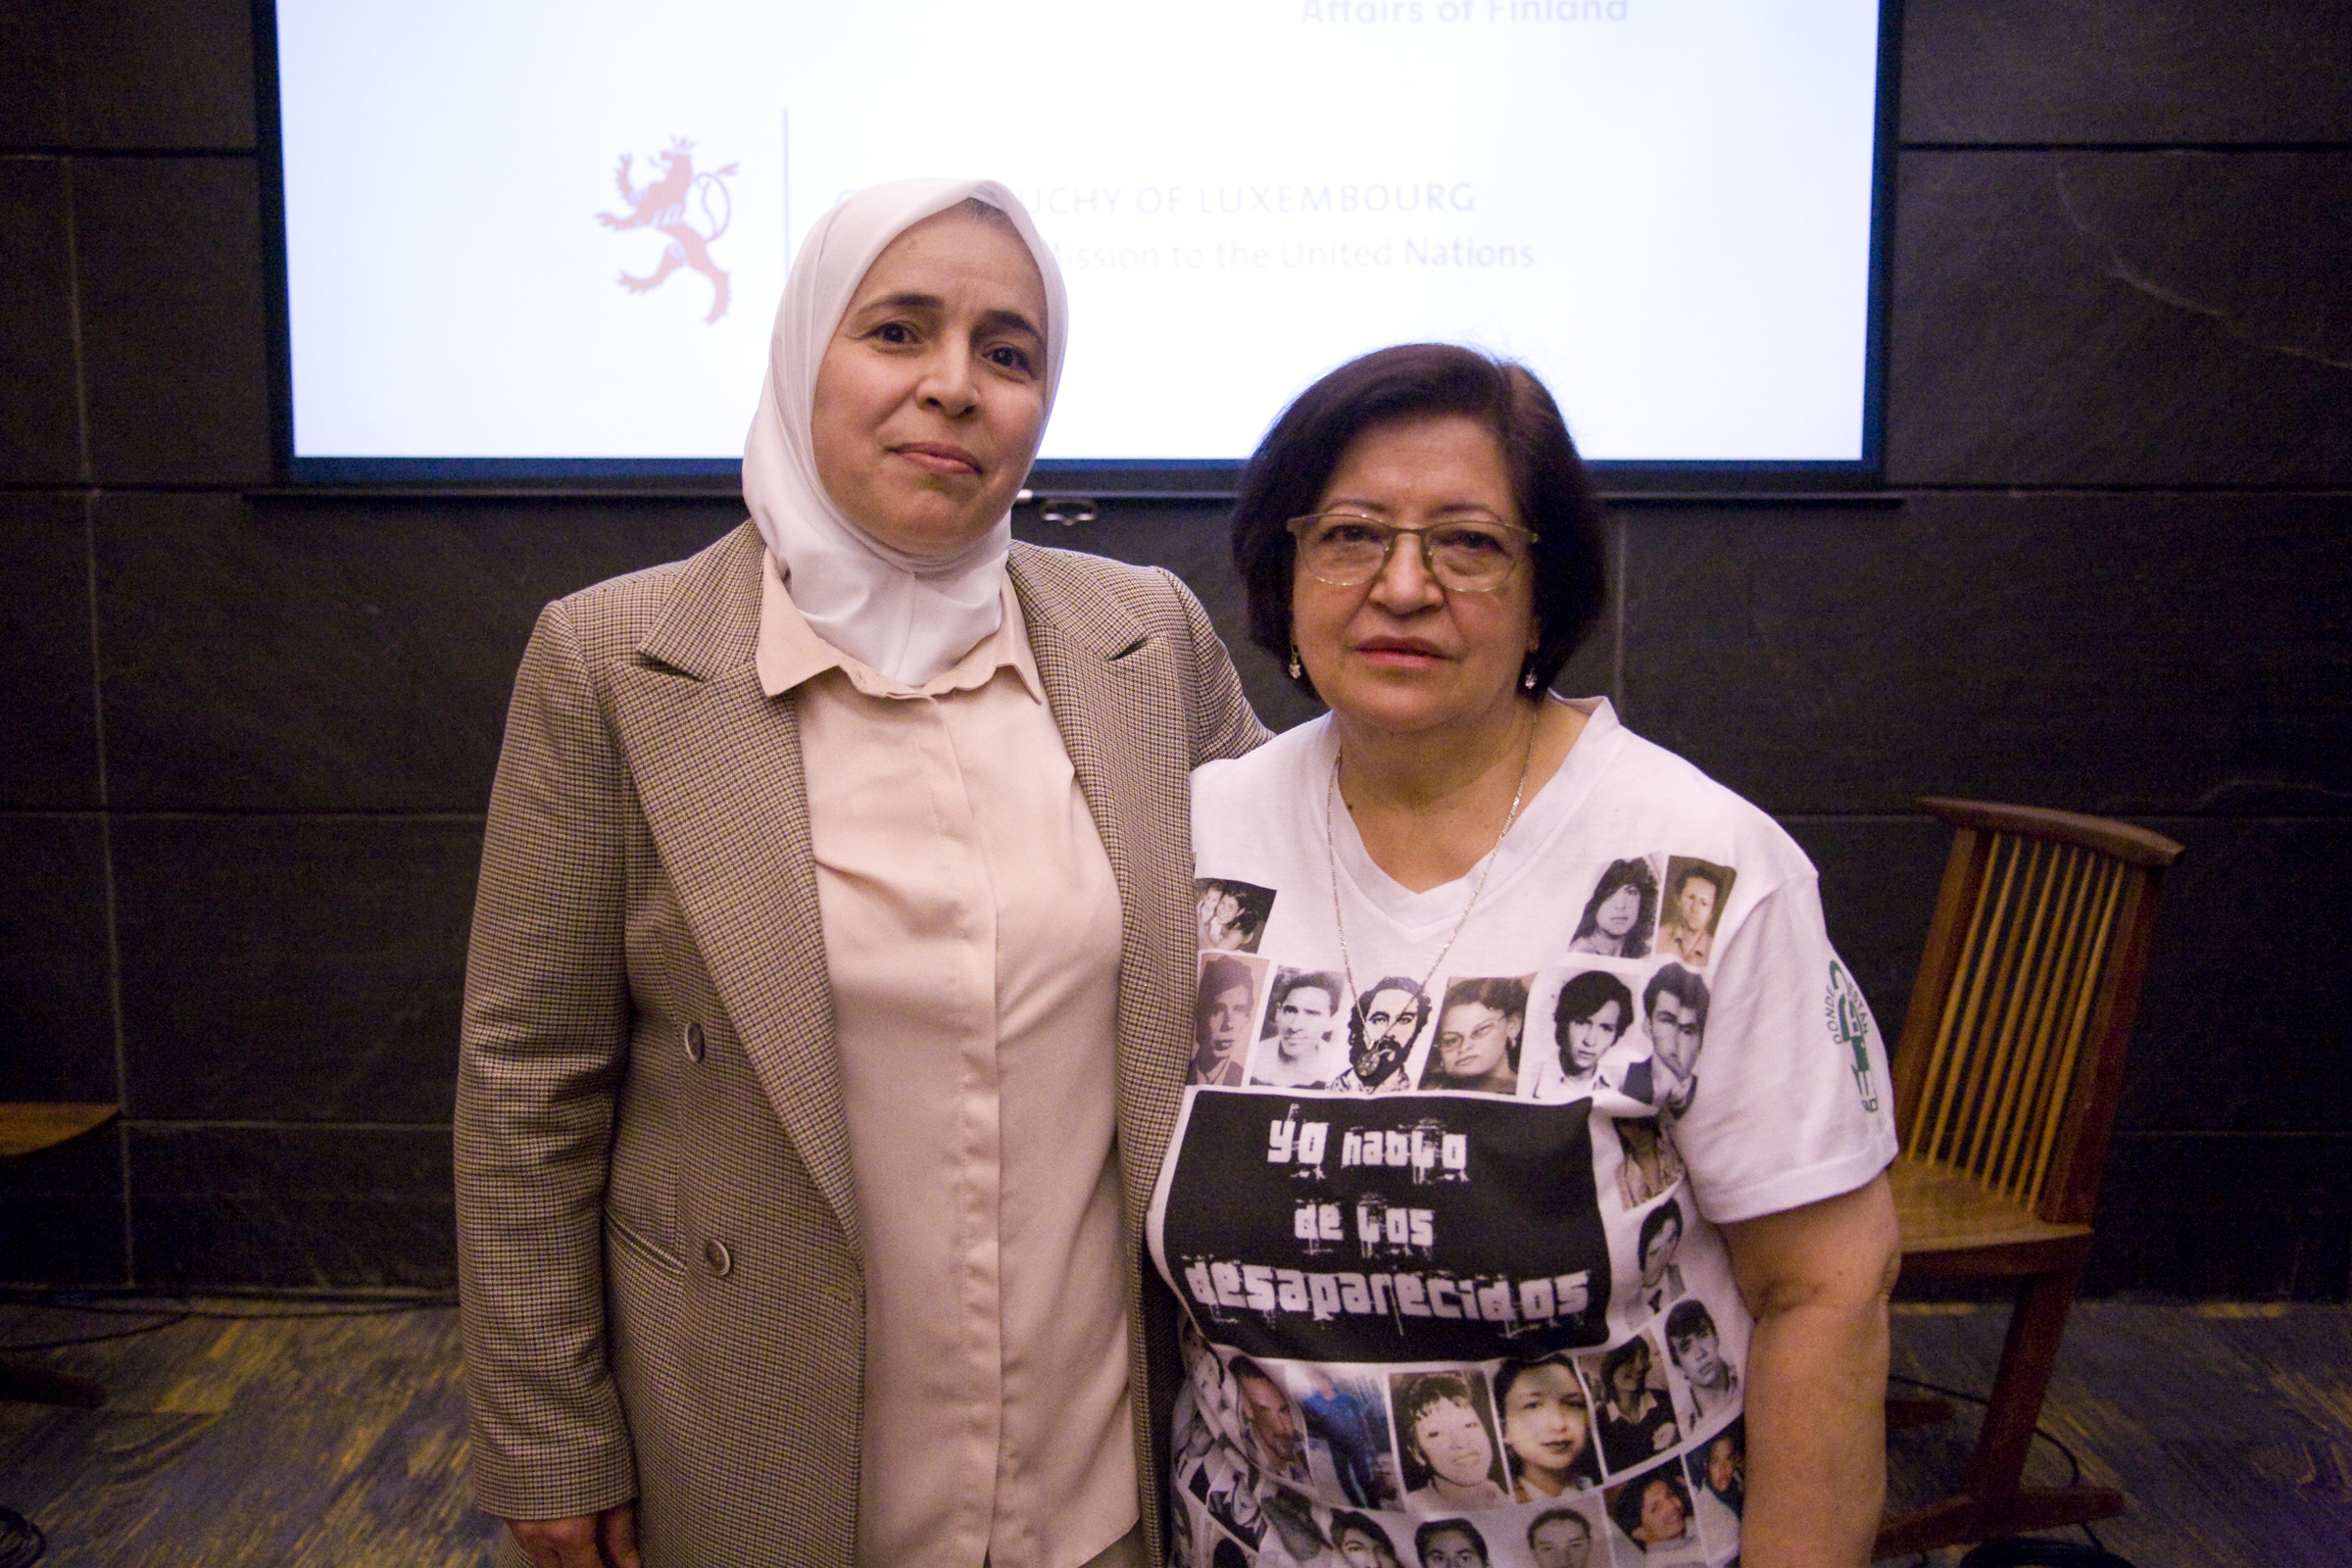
20	1540
2073	1477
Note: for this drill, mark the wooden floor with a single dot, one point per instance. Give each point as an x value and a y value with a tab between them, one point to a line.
342	1439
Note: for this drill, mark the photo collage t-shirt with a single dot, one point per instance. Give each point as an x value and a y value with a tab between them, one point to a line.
1447	1237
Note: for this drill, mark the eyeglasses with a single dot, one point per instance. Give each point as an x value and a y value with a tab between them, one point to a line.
1346	550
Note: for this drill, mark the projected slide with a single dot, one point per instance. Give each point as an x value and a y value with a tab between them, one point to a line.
543	230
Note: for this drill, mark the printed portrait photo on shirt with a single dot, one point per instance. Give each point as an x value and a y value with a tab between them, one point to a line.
1569	1535
1223	1485
1695	893
1445	1440
1657	1280
1674	1020
1653	1513
1649	1163
1347	1421
1224	1009
1718	1470
1550	1444
1232	915
1386	1022
1272	1433
1480	1024
1578	1021
1302	1042
1637	1417
1451	1544
1360	1541
1706	1361
1622	913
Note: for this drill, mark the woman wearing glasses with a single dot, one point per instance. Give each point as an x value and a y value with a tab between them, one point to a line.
1421	544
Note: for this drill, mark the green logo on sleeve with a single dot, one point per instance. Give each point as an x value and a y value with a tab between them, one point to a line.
1848	1018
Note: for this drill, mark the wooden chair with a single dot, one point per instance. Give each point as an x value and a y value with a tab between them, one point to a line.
2005	1086
27	1128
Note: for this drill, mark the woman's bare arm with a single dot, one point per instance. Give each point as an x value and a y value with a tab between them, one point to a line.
1817	1279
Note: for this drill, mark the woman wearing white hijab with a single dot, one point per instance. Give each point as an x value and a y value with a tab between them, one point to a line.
826	1008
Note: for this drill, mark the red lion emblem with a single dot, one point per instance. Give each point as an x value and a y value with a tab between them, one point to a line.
662	205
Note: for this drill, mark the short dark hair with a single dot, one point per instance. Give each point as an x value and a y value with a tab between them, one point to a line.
1240	1366
1581	998
1656	1222
1711	875
1624	1502
1460	1527
1634	1349
1364	1525
1308	980
1392	982
1511	1372
1675	981
1427	1389
1218	975
1549	484
1552	1516
1687	1321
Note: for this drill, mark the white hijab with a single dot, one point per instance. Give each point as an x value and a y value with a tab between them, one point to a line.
909	617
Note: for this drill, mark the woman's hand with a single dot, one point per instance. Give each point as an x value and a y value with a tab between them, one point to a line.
583	1541
1817	1279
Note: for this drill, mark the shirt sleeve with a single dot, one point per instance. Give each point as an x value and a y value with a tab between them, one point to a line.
1793	1103
544	1037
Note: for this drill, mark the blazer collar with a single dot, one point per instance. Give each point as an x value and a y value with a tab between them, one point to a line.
710	621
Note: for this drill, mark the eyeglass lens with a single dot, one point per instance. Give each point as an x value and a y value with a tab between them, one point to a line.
1467	555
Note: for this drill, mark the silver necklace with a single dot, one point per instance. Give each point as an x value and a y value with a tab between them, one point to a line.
1331	856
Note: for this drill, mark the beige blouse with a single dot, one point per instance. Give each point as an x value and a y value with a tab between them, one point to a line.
972	941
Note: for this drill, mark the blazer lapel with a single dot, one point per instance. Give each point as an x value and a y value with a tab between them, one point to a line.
1114	714
718	769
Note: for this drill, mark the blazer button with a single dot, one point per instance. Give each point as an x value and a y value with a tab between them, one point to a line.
717	1259
694	1042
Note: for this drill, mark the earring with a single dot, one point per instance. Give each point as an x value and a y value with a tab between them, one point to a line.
1293	660
1527	679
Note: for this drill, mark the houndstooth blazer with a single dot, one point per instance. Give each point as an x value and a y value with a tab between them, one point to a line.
657	1230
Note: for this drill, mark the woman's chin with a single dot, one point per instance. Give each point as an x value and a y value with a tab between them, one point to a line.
929	524
1400	705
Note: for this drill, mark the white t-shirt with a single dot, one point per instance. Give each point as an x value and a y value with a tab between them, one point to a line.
1404	1280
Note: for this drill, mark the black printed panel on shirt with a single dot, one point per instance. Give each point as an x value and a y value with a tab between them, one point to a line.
1401	1228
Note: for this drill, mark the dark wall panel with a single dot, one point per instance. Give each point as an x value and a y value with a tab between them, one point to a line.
2126	655
48	691
125	73
2122	319
40	415
2110	71
315	656
173	329
2228	1214
353	1207
2241	1020
1878	877
299	969
62	1216
56	1020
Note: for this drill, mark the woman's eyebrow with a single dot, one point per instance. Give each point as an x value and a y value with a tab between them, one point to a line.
1012	320
905	300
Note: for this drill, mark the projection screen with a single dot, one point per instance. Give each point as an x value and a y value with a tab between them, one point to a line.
531	236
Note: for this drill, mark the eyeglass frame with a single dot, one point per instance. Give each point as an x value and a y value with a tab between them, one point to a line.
1429	562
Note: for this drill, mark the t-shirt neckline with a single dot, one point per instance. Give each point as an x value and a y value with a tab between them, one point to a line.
1541	820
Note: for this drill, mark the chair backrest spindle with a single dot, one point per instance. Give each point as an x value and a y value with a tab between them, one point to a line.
2020	1016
